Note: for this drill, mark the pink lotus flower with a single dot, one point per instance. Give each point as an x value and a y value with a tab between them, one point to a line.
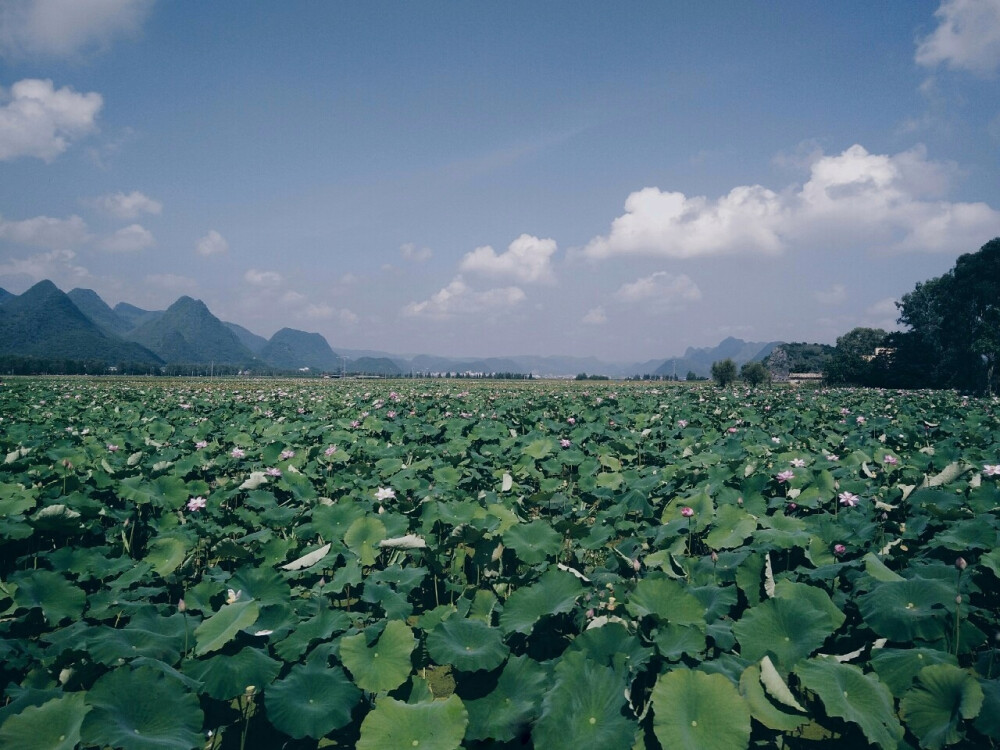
390	415
732	430
112	447
565	443
687	511
201	444
571	420
848	498
237	453
830	457
330	450
798	463
682	423
286	454
273	472
991	470
839	549
196	503
890	460
385	493
785	476
355	423
860	420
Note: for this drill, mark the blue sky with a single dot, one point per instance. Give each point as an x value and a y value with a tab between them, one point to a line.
617	180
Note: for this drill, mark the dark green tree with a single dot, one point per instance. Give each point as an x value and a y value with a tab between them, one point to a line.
724	372
853	361
755	374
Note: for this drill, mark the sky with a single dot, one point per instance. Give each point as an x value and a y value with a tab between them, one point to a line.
619	180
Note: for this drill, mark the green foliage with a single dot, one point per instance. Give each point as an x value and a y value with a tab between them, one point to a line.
453	575
724	372
853	361
755	374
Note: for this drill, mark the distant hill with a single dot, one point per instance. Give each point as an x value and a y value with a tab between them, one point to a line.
135	316
248	338
44	322
374	366
95	308
188	333
4	295
699	361
799	357
289	349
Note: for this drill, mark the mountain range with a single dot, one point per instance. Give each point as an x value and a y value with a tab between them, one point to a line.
45	322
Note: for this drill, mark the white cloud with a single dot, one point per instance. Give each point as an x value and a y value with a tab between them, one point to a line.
883	314
527	259
212	243
835	295
410	251
595	316
262	278
129	239
65	28
38	120
661	288
129	206
458	298
323	311
172	282
967	37
887	202
45	231
59	266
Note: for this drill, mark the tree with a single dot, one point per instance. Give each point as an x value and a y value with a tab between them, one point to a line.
724	372
755	374
853	359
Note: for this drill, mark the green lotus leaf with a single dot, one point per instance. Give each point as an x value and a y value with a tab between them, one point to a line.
852	695
383	665
584	708
906	610
673	642
362	538
15	499
539	448
717	601
264	585
988	721
321	626
166	553
934	709
533	542
554	592
698	711
505	712
226	676
974	533
897	667
311	701
166	492
788	628
612	645
142	709
467	645
147	633
215	632
667	600
815	597
733	526
762	708
54	725
434	725
58	598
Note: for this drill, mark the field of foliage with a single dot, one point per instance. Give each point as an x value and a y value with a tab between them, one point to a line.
433	565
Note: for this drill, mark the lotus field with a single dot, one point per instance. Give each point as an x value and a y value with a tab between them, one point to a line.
445	564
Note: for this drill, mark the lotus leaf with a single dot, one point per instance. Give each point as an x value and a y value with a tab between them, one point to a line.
434	725
698	711
52	593
934	709
219	629
534	542
504	713
311	701
467	645
54	725
906	610
383	665
227	676
787	628
553	593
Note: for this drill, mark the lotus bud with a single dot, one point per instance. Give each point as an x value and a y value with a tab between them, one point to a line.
961	564
181	606
958	599
715	557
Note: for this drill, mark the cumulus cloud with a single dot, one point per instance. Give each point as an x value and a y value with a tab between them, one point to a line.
888	202
46	231
835	295
66	28
967	37
59	266
129	206
595	316
129	239
410	251
172	282
883	314
323	311
459	298
212	243
661	287
527	259
262	278
38	120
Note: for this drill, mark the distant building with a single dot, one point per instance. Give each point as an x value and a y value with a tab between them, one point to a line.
800	378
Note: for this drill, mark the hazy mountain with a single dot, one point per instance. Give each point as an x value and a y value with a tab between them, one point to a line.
188	333
699	361
4	295
374	366
44	322
289	349
248	338
135	316
95	308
